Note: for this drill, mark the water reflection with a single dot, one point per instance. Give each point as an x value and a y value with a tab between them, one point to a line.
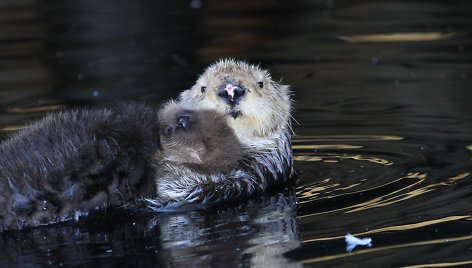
251	234
255	233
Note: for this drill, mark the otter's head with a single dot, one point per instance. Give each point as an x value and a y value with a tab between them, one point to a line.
255	106
198	138
180	133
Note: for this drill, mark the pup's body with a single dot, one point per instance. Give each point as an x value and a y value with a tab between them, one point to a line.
258	110
72	162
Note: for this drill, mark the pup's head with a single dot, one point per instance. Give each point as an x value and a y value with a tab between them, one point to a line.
199	137
179	129
255	106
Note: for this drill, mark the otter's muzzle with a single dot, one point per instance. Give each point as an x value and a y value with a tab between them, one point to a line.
231	93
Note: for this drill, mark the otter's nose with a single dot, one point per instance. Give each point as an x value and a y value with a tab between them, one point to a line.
182	121
231	93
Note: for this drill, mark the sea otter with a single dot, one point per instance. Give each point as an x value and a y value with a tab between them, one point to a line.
258	109
72	162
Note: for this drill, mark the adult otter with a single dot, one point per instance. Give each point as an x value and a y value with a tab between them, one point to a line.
70	163
258	110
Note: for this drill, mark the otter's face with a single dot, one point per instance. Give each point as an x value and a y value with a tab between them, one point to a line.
255	106
179	135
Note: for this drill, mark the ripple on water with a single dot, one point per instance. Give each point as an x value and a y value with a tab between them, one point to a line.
381	186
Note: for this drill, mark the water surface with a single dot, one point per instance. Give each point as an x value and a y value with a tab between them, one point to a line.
383	134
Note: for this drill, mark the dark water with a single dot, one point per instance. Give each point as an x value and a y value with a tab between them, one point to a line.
383	94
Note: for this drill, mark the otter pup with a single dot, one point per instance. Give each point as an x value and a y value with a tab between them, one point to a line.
258	110
70	163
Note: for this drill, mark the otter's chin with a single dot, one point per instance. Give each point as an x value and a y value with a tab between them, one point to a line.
235	114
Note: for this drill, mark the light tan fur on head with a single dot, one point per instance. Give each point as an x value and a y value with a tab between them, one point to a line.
265	107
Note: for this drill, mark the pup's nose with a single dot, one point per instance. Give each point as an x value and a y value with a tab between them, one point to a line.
182	121
231	93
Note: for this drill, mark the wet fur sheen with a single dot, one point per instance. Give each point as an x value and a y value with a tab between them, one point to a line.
263	128
72	162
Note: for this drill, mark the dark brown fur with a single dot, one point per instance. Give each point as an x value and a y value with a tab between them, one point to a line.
72	162
206	145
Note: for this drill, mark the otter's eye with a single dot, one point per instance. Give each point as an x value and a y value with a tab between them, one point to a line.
261	84
203	89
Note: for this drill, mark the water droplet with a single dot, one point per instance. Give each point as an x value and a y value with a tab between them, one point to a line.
96	93
374	60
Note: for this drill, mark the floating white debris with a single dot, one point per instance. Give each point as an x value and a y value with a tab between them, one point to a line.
353	242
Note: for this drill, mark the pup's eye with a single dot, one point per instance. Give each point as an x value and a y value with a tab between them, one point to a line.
203	89
261	84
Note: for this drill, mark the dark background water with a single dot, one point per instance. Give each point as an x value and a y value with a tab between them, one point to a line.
383	93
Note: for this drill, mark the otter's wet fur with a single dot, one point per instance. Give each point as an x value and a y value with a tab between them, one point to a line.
194	141
73	162
258	109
